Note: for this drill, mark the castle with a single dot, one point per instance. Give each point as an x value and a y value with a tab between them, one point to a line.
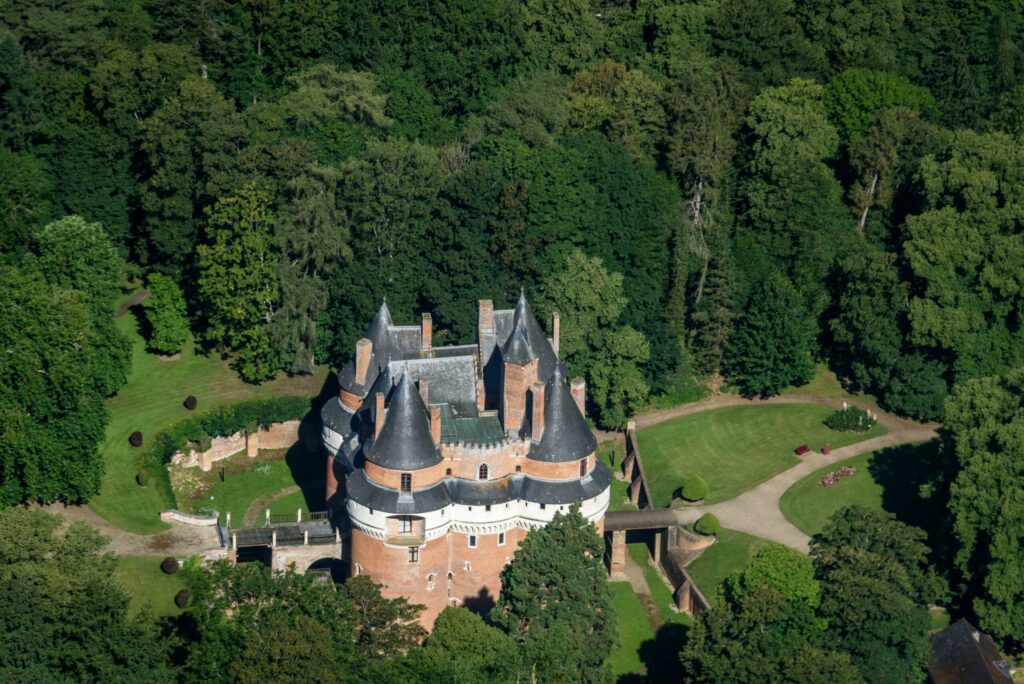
448	456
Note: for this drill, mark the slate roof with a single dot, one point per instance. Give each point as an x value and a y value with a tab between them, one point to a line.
517	348
963	655
336	417
404	443
538	341
450	380
567	437
474	493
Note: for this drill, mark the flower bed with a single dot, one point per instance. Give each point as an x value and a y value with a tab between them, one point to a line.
834	476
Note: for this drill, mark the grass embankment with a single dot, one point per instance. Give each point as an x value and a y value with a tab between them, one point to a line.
634	629
152	400
888	480
825	383
251	485
148	586
729	554
611	454
735	448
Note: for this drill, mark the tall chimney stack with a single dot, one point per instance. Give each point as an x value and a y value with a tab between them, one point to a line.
537	419
424	390
435	423
378	414
578	388
364	348
426	332
556	326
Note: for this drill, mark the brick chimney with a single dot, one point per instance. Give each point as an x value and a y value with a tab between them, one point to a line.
424	390
426	332
485	321
435	423
364	348
378	413
556	326
537	419
579	394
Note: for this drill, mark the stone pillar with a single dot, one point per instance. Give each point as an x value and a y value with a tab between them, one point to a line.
273	538
227	518
618	563
658	541
298	515
205	461
252	443
305	537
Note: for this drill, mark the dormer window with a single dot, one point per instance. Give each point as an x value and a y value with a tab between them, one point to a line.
483	472
406	482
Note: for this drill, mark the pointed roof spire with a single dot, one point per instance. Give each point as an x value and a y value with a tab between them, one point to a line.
518	349
567	437
378	334
535	336
405	442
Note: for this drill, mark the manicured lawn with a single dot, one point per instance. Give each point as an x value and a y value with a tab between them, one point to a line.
152	400
619	495
142	578
634	629
825	383
888	479
248	480
662	597
735	448
730	553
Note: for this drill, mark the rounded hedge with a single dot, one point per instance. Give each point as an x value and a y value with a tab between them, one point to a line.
191	402
708	524
142	478
181	599
135	439
694	488
169	565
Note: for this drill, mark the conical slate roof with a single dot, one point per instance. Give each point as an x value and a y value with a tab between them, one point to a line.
405	442
518	349
566	434
537	342
378	334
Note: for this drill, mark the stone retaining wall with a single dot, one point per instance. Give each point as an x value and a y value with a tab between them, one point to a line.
276	436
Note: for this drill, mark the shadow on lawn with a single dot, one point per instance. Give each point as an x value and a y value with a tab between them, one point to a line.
901	471
660	656
306	459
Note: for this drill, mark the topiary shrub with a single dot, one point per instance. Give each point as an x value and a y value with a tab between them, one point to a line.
142	478
191	402
135	439
851	419
694	488
181	599
707	524
169	565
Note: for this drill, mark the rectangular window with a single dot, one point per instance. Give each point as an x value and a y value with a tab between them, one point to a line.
472	541
405	524
583	467
406	482
488	508
501	539
414	554
543	506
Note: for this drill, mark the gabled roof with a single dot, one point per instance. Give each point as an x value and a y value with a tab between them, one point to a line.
963	655
405	442
567	437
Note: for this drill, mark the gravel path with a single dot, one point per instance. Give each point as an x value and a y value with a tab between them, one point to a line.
179	541
756	511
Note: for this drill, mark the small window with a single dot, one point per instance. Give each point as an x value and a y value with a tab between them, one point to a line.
472	541
406	482
487	508
430	581
414	554
448	472
451	576
543	506
583	467
483	472
501	539
405	524
519	469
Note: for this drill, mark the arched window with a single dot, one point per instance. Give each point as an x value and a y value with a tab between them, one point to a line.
483	471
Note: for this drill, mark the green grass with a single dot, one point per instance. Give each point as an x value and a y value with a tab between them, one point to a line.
248	480
634	629
662	597
888	479
150	401
142	578
730	553
735	448
825	383
619	495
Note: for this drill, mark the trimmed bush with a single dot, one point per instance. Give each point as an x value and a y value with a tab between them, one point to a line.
142	478
190	402
135	439
169	565
851	419
707	524
181	599
694	488
167	316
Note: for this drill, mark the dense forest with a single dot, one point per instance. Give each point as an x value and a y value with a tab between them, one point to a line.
707	191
